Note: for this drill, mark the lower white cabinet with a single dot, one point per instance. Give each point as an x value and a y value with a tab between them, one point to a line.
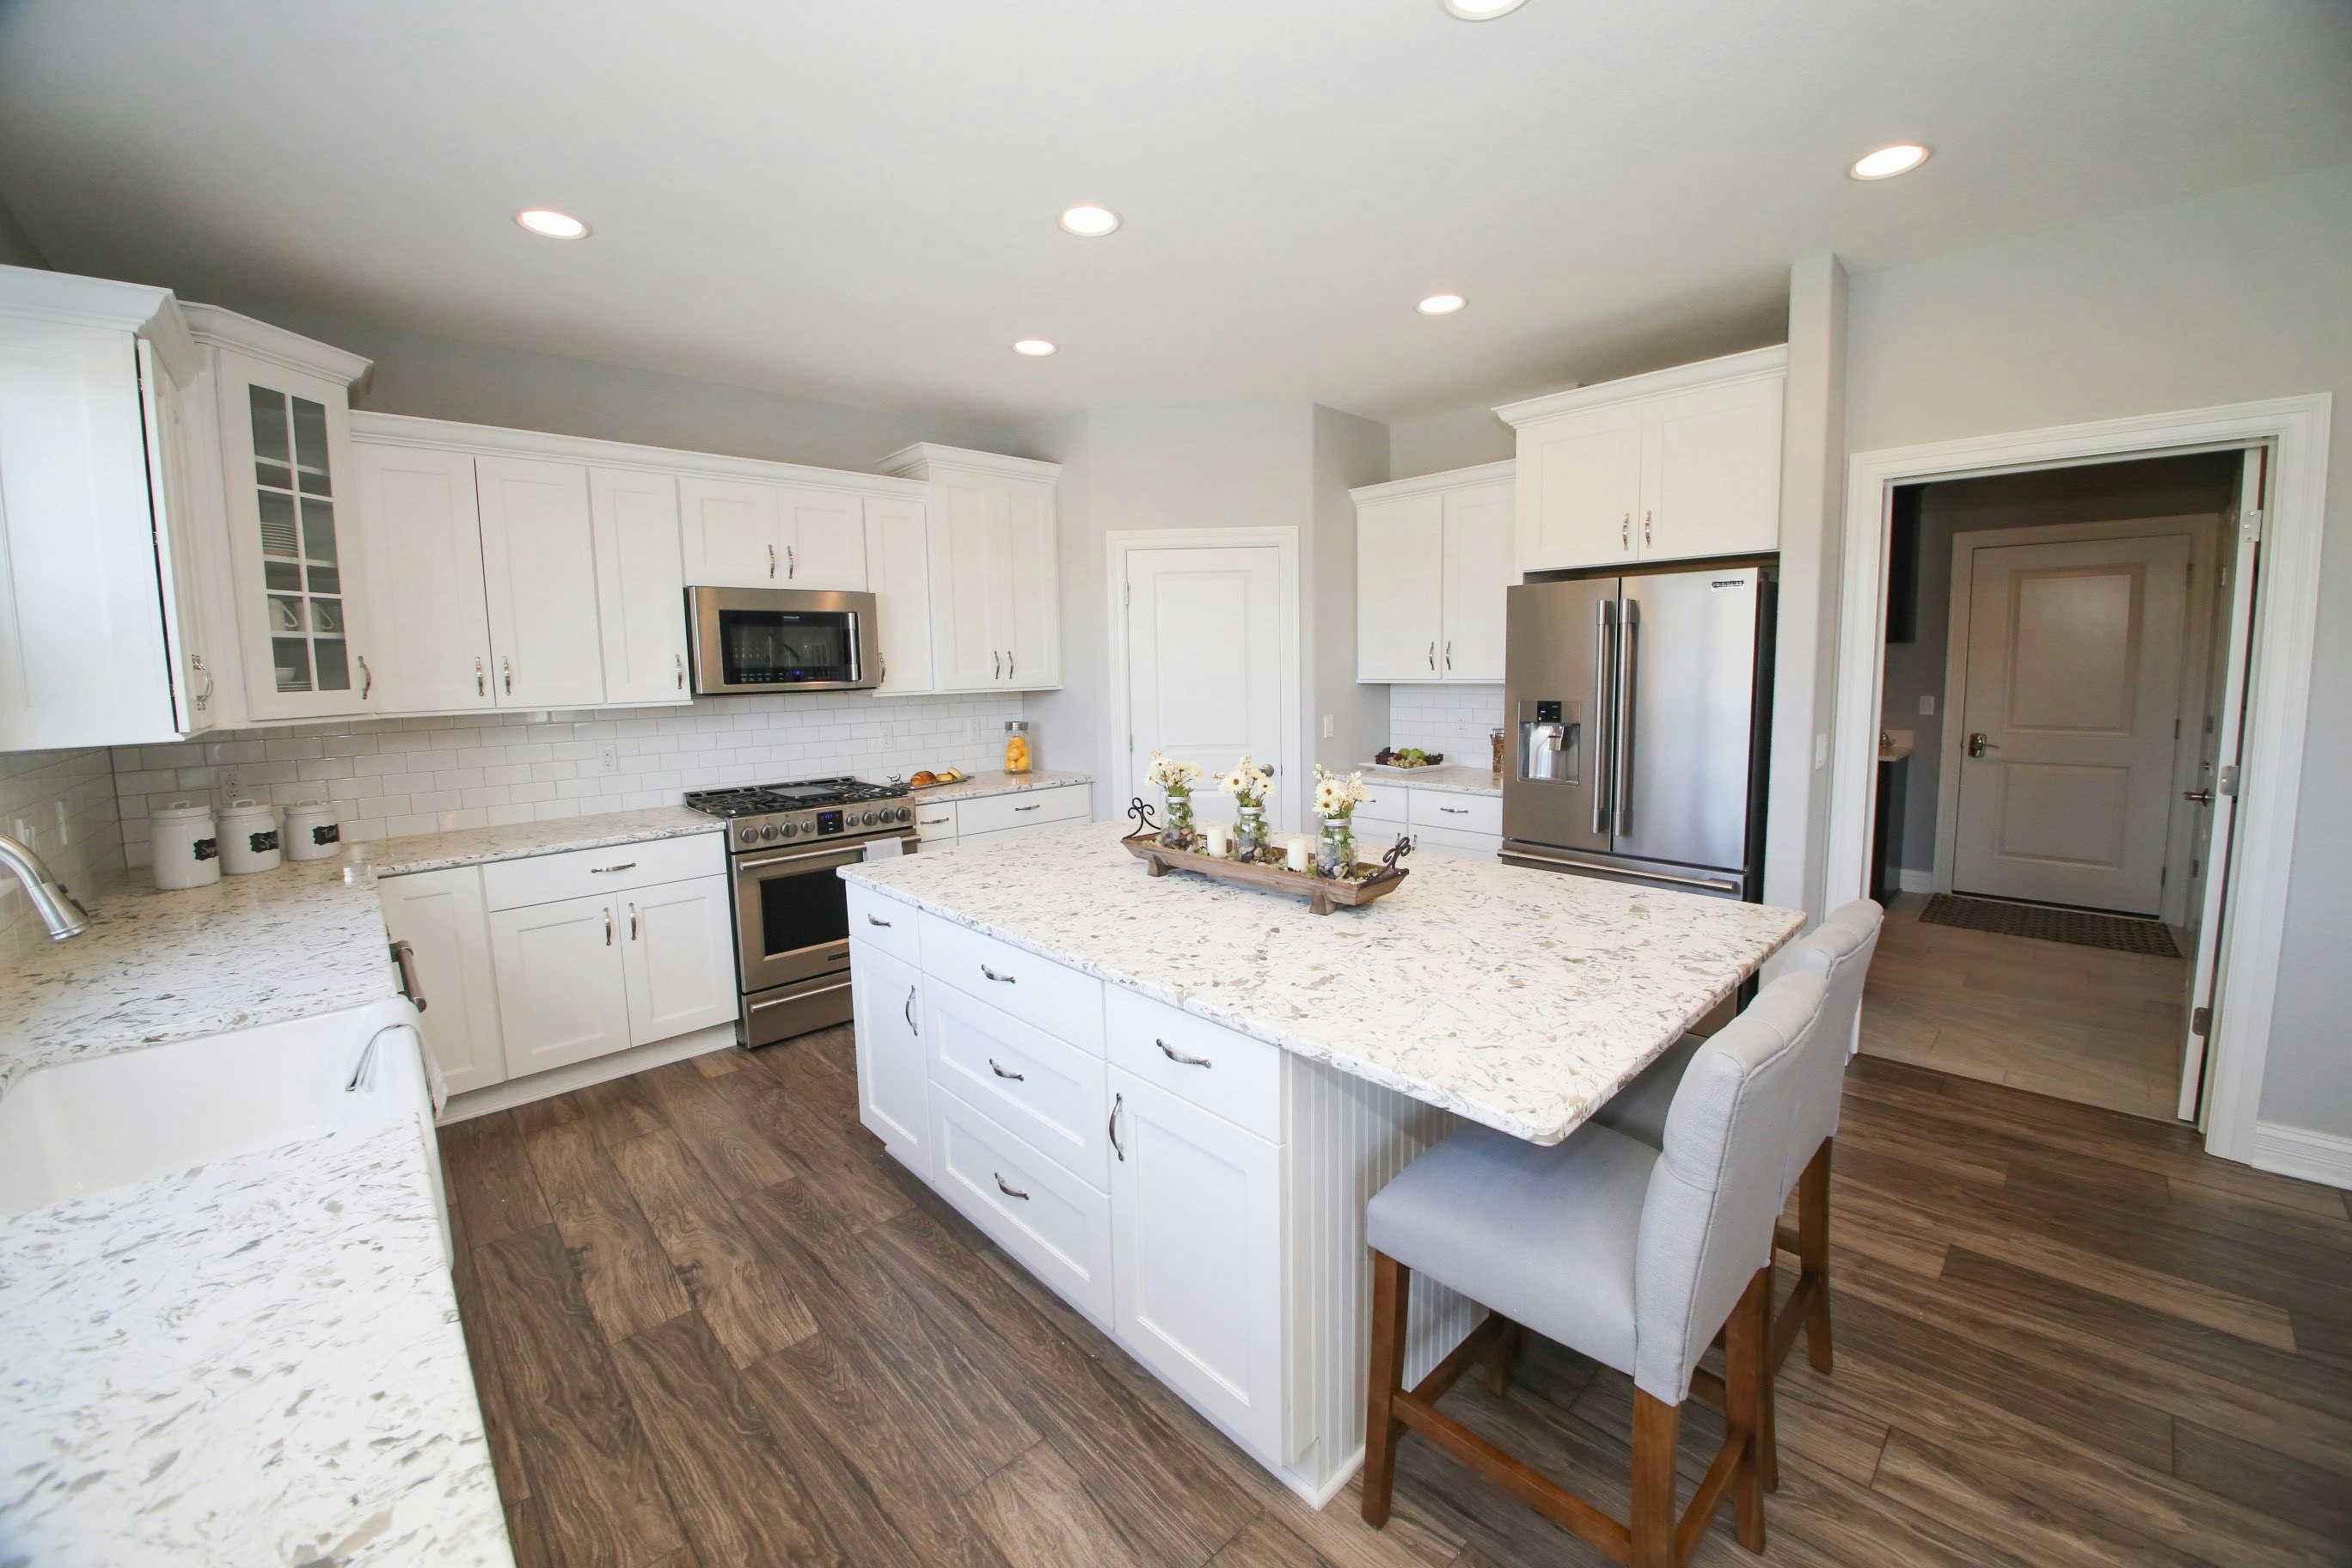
1440	822
561	998
677	958
440	915
893	1083
1056	1224
982	817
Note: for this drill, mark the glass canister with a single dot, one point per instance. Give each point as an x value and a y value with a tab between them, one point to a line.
1017	759
1337	856
1495	738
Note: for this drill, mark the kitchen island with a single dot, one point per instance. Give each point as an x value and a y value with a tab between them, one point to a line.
1171	1098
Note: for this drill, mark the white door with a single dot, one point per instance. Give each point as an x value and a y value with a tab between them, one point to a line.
1030	600
560	995
1204	664
424	542
1477	575
677	962
2072	689
440	915
825	541
898	574
1400	595
893	1080
1580	484
538	568
1196	1257
966	571
640	585
732	533
1711	471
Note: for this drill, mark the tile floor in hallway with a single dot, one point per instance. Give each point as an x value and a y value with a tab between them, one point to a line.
2077	1023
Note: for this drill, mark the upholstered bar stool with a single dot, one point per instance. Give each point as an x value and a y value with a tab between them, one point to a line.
1631	1255
1839	951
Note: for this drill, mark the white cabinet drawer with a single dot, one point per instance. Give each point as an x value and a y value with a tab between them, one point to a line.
1046	1091
1237	1077
885	923
1056	1224
1457	813
1030	809
578	873
1040	992
935	821
1384	802
1450	841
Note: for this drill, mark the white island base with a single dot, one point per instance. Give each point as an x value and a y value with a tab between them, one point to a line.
1197	1194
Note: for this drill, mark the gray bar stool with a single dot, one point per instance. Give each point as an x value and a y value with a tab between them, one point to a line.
1631	1255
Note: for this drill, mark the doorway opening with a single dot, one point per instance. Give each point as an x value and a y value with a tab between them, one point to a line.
2056	705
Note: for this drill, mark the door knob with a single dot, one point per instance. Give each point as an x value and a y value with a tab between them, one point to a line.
2198	796
1978	745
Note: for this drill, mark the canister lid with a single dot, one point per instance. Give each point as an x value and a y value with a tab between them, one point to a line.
181	811
310	810
245	810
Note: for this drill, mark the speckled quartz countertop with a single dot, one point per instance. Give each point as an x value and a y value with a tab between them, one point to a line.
982	784
521	841
1520	999
1451	777
257	1361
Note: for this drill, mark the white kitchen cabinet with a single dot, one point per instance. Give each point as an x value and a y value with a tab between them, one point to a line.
978	819
538	571
995	595
677	960
893	1081
1196	1257
1675	465
824	539
899	575
432	628
561	997
747	534
640	585
1433	565
440	915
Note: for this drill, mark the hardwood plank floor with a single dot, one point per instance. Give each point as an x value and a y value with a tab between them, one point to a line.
714	1324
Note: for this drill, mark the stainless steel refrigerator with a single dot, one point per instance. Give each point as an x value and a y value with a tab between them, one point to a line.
1639	709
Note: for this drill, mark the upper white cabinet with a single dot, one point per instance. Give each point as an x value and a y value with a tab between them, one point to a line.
898	574
995	599
1432	561
424	529
539	570
640	584
747	534
1675	465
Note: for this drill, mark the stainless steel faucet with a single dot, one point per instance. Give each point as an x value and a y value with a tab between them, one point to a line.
61	911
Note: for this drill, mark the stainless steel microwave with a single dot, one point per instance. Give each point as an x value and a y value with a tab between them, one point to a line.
782	640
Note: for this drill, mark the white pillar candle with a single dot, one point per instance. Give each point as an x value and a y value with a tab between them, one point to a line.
1217	837
1297	856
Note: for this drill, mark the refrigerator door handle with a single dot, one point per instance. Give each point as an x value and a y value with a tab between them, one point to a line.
1596	738
1620	788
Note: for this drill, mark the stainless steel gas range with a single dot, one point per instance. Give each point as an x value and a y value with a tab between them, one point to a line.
784	843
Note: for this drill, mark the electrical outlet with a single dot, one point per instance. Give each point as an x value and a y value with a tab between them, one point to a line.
1928	706
1327	726
227	784
608	757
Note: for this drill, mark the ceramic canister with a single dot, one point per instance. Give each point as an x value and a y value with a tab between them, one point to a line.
311	832
187	850
248	837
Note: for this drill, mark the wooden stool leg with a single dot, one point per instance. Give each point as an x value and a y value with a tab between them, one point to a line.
1656	1426
1771	1456
1813	1252
1506	1350
1743	1374
1391	1293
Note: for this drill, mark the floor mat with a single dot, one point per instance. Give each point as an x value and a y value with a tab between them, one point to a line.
2080	927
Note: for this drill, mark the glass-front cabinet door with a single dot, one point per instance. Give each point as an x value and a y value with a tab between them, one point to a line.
302	609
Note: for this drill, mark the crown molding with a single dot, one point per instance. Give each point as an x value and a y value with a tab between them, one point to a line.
211	325
492	440
928	455
1753	365
1423	484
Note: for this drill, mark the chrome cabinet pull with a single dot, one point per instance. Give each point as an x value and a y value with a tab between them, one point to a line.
791	562
1625	531
608	925
608	870
1008	1192
633	923
196	663
772	561
403	961
1455	810
482	680
367	678
995	1067
1012	663
996	656
681	670
1000	979
1449	653
872	921
1645	528
912	1027
1173	1055
1116	1101
507	665
1433	656
1025	808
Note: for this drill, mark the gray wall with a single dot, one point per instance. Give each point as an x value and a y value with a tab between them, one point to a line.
1349	451
16	246
2225	298
1458	439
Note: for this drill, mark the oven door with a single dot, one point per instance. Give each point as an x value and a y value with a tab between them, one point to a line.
792	912
779	639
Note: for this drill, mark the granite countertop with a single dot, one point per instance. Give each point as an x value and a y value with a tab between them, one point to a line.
521	841
1453	778
1520	999
257	1361
981	784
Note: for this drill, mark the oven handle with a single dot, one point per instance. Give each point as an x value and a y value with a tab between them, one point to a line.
799	997
856	851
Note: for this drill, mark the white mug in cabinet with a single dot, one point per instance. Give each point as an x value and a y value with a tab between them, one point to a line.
310	832
186	846
248	839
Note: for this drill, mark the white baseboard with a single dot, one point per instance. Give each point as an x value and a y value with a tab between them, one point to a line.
2298	1152
580	1075
1912	881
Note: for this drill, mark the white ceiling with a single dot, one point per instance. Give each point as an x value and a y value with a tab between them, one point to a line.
855	200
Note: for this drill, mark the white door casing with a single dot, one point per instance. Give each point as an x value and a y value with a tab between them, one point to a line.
1204	668
2072	675
539	573
640	584
425	541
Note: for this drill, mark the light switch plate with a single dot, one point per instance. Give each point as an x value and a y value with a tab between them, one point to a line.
1928	706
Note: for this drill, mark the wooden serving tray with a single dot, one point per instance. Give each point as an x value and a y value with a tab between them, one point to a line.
1322	892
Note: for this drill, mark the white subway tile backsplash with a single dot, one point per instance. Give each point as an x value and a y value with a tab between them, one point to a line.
62	804
1454	719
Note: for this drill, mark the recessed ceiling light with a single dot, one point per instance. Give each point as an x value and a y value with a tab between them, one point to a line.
1441	304
1035	348
553	225
1478	10
1889	162
1089	222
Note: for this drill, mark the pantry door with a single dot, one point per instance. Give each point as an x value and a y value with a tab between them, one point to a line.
1210	656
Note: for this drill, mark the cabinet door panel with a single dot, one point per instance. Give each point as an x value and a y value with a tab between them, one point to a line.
1032	628
425	541
640	585
1477	574
733	533
1400	567
439	914
560	995
964	585
1196	1249
899	573
539	568
825	541
1579	489
679	961
1711	483
893	1077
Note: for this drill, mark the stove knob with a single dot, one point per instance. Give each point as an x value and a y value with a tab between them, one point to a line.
902	813
870	819
749	835
791	829
769	831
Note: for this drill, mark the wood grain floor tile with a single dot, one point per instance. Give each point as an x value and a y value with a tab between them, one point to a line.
1264	1543
2317	1500
1040	1515
739	1293
629	1280
736	1156
489	1178
620	1109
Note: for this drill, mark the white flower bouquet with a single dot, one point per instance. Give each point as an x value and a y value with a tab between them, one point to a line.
1336	796
1246	783
1175	777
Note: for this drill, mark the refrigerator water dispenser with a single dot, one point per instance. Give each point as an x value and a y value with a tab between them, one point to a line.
1550	740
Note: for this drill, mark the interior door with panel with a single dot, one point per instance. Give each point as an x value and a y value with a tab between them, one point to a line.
678	963
1399	569
2072	678
1711	471
893	1079
1478	574
1204	661
1033	613
1579	486
825	541
539	570
560	995
732	533
440	915
425	546
899	575
1196	1256
966	584
640	585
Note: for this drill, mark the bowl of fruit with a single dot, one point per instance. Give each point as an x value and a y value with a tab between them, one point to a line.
1407	758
